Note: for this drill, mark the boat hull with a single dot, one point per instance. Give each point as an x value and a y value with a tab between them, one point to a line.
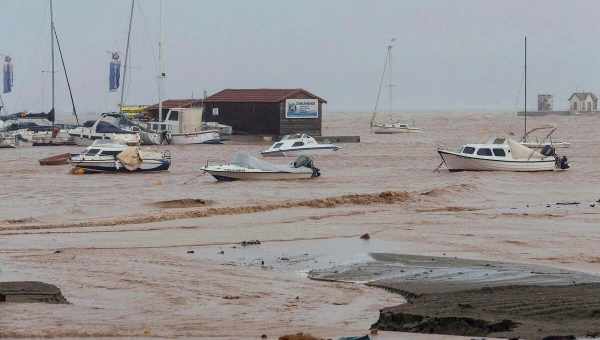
300	151
200	137
116	166
457	162
226	175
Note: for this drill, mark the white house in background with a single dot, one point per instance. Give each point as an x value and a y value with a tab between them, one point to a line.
583	102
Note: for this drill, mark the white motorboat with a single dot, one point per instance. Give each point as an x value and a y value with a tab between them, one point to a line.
297	144
104	156
392	126
181	126
502	154
245	167
534	142
111	127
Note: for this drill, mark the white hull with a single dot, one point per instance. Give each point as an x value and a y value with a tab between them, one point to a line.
199	137
8	143
297	152
226	175
457	162
125	139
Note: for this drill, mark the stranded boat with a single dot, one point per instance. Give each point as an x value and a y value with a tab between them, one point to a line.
502	154
245	167
293	145
8	141
111	157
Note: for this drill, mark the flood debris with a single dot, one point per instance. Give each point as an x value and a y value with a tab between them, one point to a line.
567	203
190	251
30	292
182	203
365	236
250	243
299	336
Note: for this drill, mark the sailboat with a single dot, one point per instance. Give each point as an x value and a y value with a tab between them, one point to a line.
179	125
391	126
527	139
54	136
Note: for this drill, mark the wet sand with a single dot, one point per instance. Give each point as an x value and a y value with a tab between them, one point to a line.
138	279
478	298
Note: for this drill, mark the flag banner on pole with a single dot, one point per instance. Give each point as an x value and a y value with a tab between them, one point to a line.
8	75
114	77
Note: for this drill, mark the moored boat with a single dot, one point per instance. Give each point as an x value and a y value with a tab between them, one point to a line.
112	157
297	144
502	154
245	167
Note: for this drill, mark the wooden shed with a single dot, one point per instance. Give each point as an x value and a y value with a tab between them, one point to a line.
266	111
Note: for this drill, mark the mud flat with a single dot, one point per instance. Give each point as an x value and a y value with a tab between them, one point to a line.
478	298
30	291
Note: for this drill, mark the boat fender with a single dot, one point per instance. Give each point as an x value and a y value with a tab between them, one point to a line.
548	150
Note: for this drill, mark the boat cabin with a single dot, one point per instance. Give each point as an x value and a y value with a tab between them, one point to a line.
495	147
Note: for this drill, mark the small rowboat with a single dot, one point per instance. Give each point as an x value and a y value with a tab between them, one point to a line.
61	159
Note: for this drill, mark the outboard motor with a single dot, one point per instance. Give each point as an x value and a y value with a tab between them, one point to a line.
307	162
548	150
561	162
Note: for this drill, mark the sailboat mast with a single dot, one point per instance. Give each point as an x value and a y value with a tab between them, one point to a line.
52	54
126	57
161	68
390	79
525	99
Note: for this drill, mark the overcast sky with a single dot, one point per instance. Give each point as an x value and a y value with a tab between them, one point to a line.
449	55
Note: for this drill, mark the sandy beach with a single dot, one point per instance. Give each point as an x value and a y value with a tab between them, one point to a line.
132	265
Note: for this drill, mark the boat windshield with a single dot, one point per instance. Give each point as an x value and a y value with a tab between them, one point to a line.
92	152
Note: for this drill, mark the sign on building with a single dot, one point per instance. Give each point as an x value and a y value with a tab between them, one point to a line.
215	111
301	108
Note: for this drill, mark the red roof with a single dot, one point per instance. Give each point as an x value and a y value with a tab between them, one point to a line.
177	103
258	95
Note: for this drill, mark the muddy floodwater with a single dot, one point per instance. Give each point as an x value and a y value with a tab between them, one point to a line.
160	254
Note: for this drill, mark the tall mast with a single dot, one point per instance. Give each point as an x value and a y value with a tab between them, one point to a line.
525	99
52	36
126	57
386	64
161	67
390	79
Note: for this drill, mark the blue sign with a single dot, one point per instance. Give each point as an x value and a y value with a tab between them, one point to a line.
302	108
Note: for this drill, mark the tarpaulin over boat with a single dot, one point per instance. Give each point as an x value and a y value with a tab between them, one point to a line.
105	127
130	158
522	152
244	160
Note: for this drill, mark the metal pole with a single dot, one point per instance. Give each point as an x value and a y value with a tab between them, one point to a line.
161	69
52	36
525	99
126	58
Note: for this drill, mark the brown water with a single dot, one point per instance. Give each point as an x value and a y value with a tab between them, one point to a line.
137	278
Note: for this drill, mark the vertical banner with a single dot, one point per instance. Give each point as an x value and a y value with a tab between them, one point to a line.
114	76
8	75
302	108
